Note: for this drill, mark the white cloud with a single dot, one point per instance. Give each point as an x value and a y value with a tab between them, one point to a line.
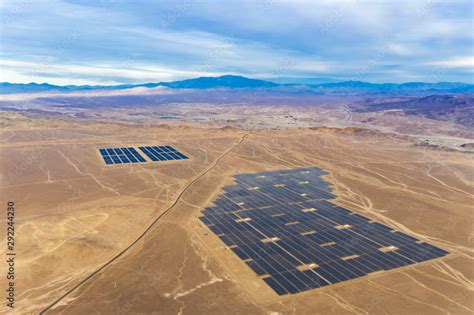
458	62
63	73
125	41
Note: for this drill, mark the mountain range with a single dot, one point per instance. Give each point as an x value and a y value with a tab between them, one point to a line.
239	82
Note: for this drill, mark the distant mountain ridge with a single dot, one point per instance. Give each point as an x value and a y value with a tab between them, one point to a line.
226	81
240	82
397	87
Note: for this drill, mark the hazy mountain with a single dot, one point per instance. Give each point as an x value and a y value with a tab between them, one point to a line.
226	81
440	87
233	82
8	88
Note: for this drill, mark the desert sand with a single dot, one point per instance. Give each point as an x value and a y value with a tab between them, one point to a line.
122	239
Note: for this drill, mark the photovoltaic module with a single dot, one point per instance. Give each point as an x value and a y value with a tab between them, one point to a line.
285	228
130	155
121	155
162	153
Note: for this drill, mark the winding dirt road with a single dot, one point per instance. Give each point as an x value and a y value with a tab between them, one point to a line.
145	232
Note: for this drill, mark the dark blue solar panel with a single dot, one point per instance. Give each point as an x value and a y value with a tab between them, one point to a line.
116	159
149	153
111	151
120	156
275	285
136	154
124	159
162	153
174	156
166	155
181	155
157	154
284	225
129	155
108	160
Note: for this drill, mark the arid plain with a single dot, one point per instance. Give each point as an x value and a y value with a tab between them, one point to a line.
122	239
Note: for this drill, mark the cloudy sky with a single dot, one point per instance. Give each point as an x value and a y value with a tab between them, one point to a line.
115	41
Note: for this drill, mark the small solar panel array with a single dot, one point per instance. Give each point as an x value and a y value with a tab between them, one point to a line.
130	155
283	227
121	155
162	153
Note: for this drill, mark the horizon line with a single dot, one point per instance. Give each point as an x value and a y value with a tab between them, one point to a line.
232	75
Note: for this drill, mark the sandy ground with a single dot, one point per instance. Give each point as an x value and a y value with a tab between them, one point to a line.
80	223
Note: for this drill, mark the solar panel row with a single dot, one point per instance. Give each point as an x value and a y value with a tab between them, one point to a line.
130	155
285	229
162	153
121	155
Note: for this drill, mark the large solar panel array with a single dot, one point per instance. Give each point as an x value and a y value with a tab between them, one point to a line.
283	227
121	155
162	153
